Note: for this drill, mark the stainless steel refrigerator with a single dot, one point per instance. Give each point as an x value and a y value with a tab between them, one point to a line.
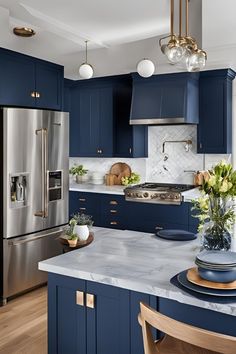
34	182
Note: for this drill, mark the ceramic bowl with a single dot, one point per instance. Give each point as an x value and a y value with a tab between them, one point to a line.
217	276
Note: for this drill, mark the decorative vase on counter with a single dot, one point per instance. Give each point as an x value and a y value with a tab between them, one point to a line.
215	236
82	231
81	179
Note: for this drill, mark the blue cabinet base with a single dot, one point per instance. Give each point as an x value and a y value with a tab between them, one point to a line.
112	325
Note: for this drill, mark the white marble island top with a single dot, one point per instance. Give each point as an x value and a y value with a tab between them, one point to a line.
135	261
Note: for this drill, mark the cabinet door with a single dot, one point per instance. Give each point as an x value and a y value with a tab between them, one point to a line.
87	203
49	85
66	318
108	324
105	124
17	82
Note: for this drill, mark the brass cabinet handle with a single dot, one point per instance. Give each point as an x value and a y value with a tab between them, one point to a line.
130	151
200	145
33	94
101	151
82	209
113	223
113	211
90	301
80	298
159	228
82	199
37	94
113	202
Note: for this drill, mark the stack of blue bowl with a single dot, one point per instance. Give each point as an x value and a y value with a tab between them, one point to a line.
217	266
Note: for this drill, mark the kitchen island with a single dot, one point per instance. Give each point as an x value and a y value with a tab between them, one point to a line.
94	293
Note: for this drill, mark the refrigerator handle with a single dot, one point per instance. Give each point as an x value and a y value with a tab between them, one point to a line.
44	141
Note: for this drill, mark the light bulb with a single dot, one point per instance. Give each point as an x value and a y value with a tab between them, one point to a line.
174	54
196	61
86	71
145	68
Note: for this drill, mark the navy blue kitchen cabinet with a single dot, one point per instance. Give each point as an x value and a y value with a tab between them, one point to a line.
29	82
165	99
91	129
99	124
101	326
215	119
113	209
86	203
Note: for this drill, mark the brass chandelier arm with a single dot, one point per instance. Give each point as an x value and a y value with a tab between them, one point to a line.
186	19
180	18
172	18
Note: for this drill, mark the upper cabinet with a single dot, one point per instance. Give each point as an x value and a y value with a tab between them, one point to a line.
215	119
99	124
165	99
29	82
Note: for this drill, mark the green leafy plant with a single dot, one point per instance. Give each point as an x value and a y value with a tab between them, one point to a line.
82	219
133	179
78	170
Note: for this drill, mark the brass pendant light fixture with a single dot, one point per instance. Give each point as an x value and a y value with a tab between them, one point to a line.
86	69
183	49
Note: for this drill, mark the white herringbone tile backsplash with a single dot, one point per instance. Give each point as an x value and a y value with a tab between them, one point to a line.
154	168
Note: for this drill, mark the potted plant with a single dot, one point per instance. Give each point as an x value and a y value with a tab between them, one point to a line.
215	209
83	223
79	172
72	237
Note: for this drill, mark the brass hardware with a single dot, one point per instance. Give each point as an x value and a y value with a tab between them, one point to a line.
113	223
188	143
158	228
113	202
98	151
113	211
23	31
200	145
130	150
39	213
101	151
37	94
82	199
90	301
80	298
82	209
32	94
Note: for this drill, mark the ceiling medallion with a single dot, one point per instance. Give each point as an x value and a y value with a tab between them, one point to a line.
24	31
183	49
85	69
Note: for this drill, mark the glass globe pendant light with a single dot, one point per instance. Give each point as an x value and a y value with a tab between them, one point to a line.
85	69
145	68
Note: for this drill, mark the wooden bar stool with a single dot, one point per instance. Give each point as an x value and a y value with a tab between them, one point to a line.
179	337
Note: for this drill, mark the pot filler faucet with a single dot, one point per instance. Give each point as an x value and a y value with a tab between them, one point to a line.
188	144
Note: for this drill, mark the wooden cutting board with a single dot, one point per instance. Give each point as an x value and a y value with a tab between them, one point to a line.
120	169
194	277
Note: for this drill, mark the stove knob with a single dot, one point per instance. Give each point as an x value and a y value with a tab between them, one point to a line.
163	196
146	194
139	195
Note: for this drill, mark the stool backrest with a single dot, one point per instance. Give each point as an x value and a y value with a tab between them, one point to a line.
193	335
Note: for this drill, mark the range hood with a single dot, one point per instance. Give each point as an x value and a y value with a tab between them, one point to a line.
165	99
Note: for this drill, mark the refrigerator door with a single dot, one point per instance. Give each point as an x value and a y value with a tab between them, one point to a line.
56	125
22	154
36	179
21	257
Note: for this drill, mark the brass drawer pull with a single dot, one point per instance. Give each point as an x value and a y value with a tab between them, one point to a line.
33	94
159	228
113	211
90	301
37	95
80	298
113	223
82	199
83	209
113	202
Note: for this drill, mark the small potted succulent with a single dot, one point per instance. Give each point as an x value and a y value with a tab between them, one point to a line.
82	224
72	237
79	172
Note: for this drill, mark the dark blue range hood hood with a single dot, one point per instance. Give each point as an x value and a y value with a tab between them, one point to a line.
165	99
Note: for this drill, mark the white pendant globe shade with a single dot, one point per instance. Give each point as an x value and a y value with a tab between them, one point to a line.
145	68
86	71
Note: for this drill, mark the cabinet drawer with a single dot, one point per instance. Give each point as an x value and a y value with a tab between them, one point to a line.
112	203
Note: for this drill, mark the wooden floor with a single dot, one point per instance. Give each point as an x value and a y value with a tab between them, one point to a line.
23	324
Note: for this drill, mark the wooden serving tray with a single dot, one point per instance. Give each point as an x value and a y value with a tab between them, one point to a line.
63	240
194	277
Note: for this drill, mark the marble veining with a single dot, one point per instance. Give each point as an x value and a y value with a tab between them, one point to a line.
134	260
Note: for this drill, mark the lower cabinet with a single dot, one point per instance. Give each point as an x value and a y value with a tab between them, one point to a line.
113	211
90	318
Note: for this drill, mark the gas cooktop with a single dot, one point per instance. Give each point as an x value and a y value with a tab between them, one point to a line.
161	193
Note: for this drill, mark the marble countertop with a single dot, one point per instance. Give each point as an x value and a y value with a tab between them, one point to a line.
135	261
119	190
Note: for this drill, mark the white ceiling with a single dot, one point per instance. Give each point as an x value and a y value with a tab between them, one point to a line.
121	32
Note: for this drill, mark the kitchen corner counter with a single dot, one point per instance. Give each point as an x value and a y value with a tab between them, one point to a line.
188	196
135	261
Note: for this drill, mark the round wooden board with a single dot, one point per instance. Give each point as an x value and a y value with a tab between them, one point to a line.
80	244
121	168
194	277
